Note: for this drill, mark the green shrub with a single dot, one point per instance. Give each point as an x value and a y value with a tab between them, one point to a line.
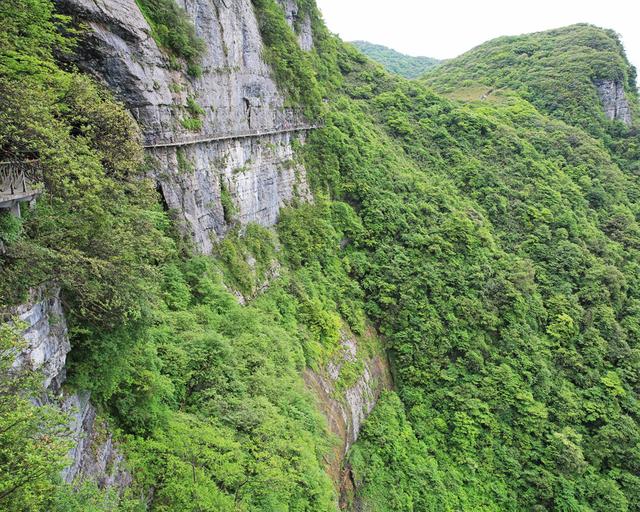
173	30
10	227
193	108
191	123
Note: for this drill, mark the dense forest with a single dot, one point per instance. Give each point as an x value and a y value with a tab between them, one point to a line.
394	61
481	223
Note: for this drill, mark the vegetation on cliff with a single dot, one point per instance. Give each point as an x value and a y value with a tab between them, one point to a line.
173	30
495	245
499	258
195	383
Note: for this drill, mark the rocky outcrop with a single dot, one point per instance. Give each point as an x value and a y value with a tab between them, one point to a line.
45	332
94	455
236	94
300	23
346	409
614	101
258	175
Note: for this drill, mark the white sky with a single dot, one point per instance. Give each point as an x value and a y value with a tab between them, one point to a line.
447	28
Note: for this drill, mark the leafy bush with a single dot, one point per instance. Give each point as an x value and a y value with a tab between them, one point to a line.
172	29
10	227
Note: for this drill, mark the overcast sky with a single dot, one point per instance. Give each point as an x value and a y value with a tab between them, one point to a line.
447	28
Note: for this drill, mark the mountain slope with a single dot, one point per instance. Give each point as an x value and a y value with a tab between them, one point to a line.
491	253
494	244
394	61
560	71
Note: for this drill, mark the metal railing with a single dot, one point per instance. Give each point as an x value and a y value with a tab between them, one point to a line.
160	141
19	177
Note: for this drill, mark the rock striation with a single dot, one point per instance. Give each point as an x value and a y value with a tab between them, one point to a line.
236	94
45	331
614	101
94	455
258	175
346	410
300	23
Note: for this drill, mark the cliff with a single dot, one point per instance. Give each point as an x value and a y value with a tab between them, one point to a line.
346	409
94	455
614	100
493	241
235	95
237	165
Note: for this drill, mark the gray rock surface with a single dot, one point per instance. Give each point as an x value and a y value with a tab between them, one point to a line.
346	411
46	336
301	26
236	91
614	101
349	411
259	174
94	455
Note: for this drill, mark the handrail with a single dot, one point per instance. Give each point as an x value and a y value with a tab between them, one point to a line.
17	177
158	142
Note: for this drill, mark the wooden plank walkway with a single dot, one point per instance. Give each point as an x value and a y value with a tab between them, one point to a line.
167	143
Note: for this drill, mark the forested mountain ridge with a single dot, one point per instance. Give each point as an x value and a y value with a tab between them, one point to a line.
394	61
555	70
492	240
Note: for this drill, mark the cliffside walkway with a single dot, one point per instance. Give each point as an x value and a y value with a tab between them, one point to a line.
160	142
18	183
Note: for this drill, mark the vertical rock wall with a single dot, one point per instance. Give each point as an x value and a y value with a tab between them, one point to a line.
94	455
614	101
45	331
259	175
301	23
236	93
346	410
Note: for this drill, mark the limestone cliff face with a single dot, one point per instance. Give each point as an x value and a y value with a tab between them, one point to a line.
251	163
301	23
94	455
46	336
614	101
346	410
259	174
237	94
